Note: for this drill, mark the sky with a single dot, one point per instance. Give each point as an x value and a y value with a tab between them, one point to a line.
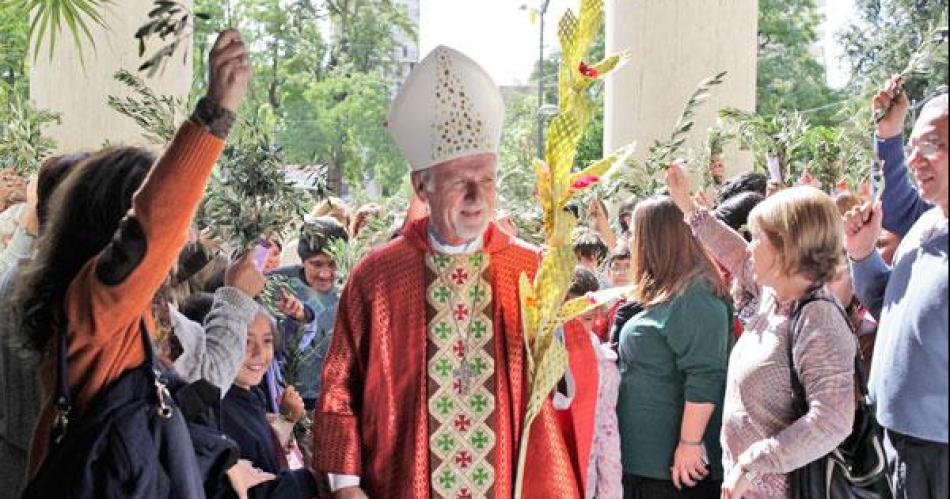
500	35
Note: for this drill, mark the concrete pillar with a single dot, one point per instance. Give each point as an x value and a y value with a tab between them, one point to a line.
675	45
80	94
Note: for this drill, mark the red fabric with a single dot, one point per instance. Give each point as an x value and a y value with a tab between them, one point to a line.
580	417
601	328
372	419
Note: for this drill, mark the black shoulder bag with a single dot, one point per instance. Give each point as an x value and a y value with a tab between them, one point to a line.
857	469
131	442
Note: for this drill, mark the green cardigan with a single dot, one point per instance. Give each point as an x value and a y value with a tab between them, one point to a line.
670	354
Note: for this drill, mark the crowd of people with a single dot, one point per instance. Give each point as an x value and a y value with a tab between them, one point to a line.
722	351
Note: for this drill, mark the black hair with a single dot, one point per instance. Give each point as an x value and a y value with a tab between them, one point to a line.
197	306
745	182
317	234
583	282
620	252
734	211
589	243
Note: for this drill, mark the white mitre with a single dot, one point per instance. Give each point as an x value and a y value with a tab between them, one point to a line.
448	108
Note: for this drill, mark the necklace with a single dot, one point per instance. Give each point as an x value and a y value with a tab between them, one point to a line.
465	373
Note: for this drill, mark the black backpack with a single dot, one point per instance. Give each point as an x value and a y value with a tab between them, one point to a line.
133	440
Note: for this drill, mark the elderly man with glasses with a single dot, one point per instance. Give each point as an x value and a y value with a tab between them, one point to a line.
909	373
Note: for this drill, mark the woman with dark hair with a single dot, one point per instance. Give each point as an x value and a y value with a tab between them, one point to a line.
797	248
18	395
99	264
673	357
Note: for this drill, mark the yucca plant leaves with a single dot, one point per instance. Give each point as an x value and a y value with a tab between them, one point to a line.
48	17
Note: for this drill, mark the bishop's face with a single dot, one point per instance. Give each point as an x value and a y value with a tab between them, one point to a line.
461	195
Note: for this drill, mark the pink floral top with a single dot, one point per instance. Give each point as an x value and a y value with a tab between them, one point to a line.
605	472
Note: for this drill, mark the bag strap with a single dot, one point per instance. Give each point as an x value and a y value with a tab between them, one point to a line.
64	403
793	332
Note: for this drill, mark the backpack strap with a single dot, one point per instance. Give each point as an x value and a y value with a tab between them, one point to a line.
63	403
798	388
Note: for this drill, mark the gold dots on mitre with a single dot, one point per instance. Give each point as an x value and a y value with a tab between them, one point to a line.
458	126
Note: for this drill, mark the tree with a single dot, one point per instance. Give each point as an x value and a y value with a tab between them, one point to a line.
883	39
789	77
338	121
14	43
363	33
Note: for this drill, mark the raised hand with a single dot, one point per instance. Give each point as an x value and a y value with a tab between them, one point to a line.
892	104
678	184
291	405
862	228
290	306
229	68
243	274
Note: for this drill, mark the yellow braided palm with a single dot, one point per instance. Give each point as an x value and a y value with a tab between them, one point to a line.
542	301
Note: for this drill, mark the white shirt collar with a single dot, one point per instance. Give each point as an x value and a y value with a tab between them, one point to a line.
447	249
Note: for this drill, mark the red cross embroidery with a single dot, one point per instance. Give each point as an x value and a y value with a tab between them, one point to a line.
463	460
460	276
457	386
461	312
459	349
462	423
464	494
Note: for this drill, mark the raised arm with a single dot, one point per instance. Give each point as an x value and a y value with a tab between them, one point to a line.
900	199
725	245
117	285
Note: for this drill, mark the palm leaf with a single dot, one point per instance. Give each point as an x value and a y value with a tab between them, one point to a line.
48	17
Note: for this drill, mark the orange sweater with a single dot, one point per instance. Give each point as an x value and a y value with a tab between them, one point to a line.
103	320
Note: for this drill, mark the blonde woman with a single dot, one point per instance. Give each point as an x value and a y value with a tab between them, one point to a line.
796	248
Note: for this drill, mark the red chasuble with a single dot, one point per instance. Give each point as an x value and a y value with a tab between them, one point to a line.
373	417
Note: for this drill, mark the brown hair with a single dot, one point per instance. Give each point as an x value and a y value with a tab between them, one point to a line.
666	256
51	174
804	226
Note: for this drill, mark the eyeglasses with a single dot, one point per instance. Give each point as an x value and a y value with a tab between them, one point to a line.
619	268
928	148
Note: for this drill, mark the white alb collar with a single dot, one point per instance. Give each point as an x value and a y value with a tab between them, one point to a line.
447	249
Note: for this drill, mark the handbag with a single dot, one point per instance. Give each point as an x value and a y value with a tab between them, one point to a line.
133	440
857	468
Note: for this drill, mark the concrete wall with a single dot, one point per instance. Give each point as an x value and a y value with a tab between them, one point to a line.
675	45
62	84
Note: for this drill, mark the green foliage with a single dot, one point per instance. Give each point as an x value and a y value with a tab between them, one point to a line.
884	38
22	144
347	254
249	196
716	139
789	76
642	179
14	44
158	115
338	121
779	135
48	17
171	22
363	33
